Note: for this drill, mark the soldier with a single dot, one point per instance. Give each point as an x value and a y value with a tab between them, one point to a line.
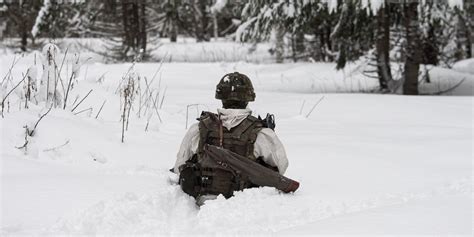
232	128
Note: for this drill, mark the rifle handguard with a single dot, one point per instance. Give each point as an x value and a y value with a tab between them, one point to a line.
256	173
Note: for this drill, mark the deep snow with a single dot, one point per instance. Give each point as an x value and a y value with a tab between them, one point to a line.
367	164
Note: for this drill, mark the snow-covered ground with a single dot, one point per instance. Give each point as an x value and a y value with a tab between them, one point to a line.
367	163
184	50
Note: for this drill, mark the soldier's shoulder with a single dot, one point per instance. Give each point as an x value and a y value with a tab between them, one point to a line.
253	118
208	120
256	122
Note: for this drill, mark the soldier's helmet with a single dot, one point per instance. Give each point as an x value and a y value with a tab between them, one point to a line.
235	86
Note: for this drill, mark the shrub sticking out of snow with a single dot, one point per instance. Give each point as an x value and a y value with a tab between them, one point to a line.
50	79
30	84
76	67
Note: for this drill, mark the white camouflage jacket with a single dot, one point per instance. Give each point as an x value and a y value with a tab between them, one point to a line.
267	144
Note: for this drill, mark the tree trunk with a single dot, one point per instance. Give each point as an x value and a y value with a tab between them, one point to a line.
24	39
382	46
172	19
279	43
135	26
174	34
299	44
464	34
216	27
201	20
125	20
413	53
23	31
143	24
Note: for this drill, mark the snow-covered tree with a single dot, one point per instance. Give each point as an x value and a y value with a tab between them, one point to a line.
216	9
265	19
58	19
21	15
415	34
124	27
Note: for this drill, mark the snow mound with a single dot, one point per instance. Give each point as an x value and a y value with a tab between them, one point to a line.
465	66
162	212
259	210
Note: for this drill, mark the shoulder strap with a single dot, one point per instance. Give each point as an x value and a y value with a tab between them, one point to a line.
249	134
207	123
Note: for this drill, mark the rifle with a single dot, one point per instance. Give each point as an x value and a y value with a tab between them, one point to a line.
248	169
269	121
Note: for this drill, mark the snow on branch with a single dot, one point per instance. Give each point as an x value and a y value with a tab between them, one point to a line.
218	6
370	5
375	5
456	3
41	15
239	33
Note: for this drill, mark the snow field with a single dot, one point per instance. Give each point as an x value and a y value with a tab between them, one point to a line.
367	164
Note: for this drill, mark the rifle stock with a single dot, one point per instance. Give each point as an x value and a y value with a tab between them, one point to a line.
256	173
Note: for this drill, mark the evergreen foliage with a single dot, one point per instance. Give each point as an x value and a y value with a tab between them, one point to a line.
441	32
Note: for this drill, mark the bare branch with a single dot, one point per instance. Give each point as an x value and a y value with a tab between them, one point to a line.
447	90
100	109
6	96
84	110
307	115
10	69
55	148
32	132
67	91
81	100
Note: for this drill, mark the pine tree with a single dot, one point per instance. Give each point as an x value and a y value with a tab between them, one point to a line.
202	18
123	24
264	18
22	14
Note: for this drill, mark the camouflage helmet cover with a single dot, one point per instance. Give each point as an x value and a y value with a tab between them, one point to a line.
235	86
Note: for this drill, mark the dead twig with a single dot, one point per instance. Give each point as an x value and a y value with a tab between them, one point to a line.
447	90
55	148
302	106
37	122
125	76
163	97
124	112
81	101
75	100
102	106
31	133
156	109
58	71
6	96
67	91
25	145
314	106
10	69
84	110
